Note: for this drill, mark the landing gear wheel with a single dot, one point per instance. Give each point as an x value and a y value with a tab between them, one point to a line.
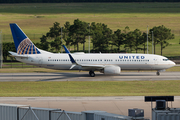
91	73
158	73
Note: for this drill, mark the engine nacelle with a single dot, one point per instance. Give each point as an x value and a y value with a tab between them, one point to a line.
112	69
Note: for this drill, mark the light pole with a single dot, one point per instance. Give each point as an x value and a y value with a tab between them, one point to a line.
147	39
152	42
1	49
61	39
89	37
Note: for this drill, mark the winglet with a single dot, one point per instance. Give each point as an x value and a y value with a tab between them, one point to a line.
66	50
70	56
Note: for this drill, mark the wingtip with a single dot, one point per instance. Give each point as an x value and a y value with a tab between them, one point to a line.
67	51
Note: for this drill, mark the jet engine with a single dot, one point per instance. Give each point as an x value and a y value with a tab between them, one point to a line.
112	69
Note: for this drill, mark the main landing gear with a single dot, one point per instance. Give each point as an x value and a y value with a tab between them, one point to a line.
157	73
91	73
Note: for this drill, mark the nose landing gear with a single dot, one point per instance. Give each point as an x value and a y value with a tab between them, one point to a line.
157	73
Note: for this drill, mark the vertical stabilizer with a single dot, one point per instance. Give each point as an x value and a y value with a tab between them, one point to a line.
22	43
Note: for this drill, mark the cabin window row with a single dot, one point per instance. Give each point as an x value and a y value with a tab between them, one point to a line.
97	60
58	60
134	60
75	60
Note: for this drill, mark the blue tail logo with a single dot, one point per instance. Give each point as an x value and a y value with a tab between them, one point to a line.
22	43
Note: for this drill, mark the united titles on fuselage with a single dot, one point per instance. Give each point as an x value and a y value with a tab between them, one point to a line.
131	57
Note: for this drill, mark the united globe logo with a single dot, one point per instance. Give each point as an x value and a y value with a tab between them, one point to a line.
27	47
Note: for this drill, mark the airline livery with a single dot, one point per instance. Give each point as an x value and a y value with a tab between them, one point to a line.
105	63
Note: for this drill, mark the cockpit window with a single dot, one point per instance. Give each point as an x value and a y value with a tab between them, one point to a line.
165	59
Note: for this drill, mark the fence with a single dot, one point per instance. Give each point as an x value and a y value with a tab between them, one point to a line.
33	37
14	64
22	112
176	32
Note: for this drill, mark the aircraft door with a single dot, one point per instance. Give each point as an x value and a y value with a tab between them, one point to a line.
40	60
156	61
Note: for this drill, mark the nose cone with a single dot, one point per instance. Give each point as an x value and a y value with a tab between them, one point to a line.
172	63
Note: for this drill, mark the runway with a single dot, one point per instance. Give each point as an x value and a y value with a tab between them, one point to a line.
84	76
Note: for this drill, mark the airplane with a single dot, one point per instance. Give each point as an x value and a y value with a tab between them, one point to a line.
107	63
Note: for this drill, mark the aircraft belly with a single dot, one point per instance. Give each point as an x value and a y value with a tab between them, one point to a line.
136	67
161	66
56	66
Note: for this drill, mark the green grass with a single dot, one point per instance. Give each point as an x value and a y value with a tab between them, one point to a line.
173	69
35	19
95	88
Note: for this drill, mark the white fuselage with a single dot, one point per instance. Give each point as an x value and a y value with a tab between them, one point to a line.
124	61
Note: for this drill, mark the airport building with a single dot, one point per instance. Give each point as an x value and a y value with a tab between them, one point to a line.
23	112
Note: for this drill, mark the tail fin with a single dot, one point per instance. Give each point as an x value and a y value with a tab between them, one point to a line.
22	43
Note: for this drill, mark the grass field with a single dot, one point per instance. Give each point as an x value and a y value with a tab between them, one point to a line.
95	88
37	18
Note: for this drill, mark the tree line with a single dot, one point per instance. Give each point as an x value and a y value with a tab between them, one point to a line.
102	38
70	1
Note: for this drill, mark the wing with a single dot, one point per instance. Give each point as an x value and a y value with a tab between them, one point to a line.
92	67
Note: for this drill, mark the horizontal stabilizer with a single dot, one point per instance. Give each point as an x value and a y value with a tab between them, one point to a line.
13	54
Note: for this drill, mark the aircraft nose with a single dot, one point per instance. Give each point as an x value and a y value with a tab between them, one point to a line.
173	63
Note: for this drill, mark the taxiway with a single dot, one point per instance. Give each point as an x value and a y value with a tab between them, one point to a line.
84	76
